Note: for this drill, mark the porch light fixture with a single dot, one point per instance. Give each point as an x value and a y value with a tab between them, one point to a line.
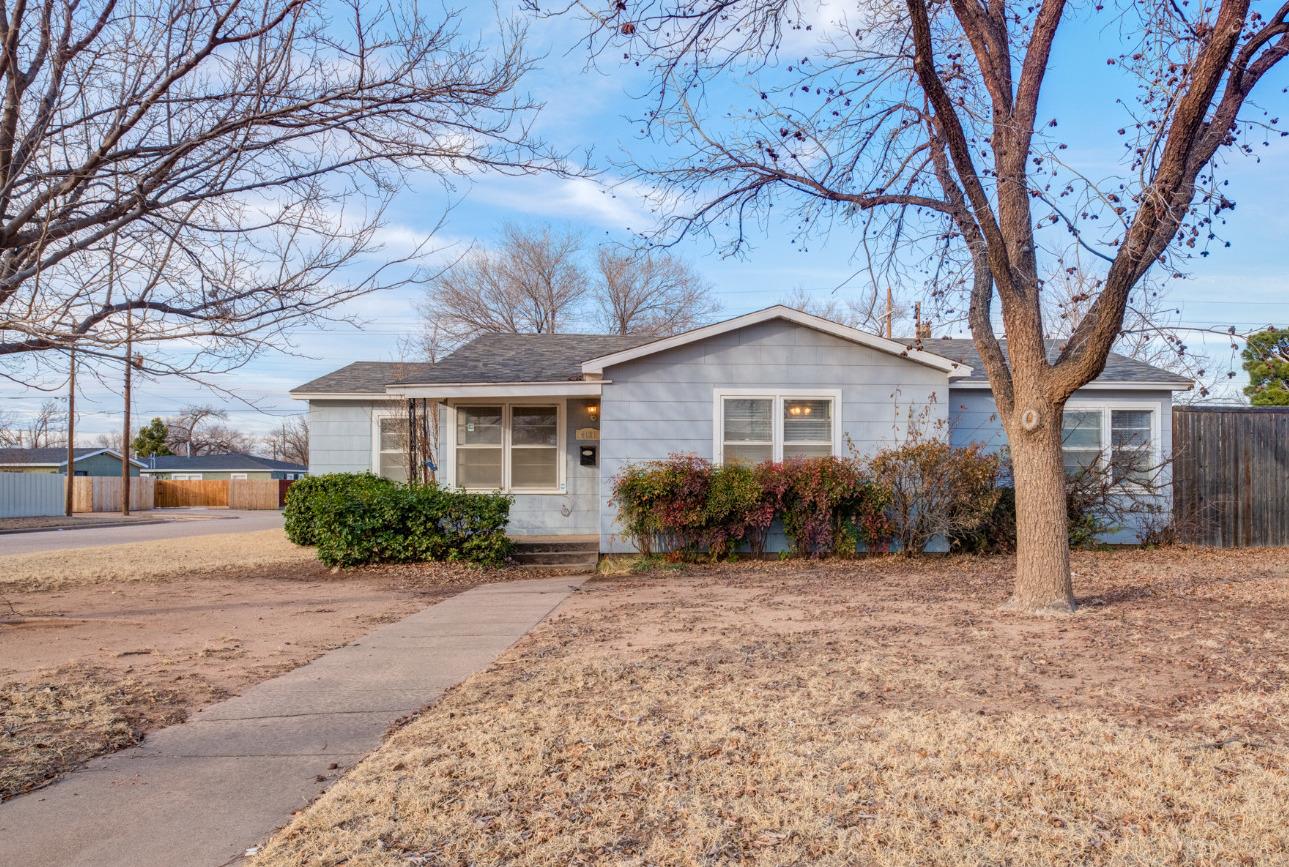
593	411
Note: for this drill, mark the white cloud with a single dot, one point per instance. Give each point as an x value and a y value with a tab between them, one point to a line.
612	204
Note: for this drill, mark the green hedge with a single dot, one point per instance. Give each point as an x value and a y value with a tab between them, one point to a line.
355	519
302	498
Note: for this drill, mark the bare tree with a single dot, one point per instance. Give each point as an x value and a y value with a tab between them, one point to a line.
921	121
203	430
46	428
215	165
649	293
1151	331
532	283
290	442
864	312
536	282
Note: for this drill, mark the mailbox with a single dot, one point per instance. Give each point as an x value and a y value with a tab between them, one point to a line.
587	455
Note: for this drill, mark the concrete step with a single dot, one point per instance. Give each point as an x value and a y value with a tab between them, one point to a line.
551	546
568	559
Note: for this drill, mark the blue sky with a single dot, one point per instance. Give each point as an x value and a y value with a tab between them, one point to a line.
1243	285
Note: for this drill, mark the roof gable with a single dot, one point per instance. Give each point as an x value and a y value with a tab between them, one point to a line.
597	366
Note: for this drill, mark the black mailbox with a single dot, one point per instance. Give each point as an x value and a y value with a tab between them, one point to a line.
587	455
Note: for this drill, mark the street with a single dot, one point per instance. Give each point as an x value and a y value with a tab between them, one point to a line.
180	523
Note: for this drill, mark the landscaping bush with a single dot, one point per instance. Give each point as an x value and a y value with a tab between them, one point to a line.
302	498
830	505
684	506
937	490
364	522
1094	504
664	503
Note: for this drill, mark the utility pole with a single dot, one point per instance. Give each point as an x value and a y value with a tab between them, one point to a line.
125	429
890	314
71	430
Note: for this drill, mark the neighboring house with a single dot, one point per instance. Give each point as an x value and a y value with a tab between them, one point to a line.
88	462
552	418
230	466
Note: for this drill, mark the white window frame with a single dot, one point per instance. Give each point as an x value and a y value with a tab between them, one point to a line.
376	416
1107	448
240	477
777	396
449	466
186	477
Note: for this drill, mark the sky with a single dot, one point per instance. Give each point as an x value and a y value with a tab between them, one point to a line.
593	107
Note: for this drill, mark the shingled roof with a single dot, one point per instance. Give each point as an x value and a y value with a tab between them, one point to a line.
490	358
516	358
236	461
49	457
1118	368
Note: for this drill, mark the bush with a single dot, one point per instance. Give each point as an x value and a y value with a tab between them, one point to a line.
685	506
302	498
937	490
996	534
357	519
735	510
663	503
1094	504
830	505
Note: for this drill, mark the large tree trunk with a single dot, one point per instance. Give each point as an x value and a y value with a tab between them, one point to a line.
1042	541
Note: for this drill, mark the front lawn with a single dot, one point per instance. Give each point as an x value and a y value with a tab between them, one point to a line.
879	711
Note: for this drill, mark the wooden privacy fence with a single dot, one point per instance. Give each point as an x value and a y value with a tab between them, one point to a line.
254	494
103	493
184	494
1231	475
221	493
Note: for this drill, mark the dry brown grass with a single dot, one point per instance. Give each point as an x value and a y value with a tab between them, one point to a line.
64	718
148	561
879	712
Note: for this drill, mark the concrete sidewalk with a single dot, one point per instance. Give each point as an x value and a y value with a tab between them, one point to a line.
201	793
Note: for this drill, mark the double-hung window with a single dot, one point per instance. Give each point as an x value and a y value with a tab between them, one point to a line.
773	426
390	458
508	447
1123	438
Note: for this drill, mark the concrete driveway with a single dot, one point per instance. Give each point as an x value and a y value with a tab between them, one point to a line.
180	523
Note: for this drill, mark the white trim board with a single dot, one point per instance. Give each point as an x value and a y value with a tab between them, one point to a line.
788	314
349	395
502	390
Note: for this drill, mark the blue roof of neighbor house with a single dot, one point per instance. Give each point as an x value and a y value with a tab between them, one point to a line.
55	456
234	461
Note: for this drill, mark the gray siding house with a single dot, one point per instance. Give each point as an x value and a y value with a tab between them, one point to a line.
552	418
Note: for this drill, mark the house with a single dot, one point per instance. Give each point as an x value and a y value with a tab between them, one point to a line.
229	466
552	418
88	462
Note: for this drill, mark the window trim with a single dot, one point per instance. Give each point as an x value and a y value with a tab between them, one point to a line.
507	406
1107	445
237	477
777	396
376	416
